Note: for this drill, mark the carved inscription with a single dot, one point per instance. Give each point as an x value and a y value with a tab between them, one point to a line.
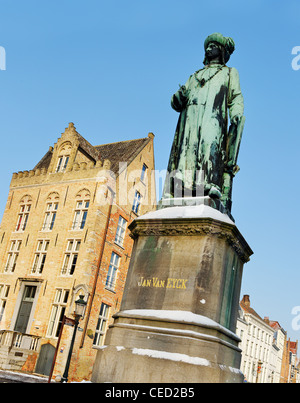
158	283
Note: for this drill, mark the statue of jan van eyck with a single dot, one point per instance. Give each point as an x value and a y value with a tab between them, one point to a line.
204	153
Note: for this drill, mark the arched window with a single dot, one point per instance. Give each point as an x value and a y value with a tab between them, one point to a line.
25	207
63	156
81	210
51	211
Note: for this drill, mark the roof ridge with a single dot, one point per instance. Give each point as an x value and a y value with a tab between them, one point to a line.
250	310
123	141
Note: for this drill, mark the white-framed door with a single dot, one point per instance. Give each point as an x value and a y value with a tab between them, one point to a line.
25	306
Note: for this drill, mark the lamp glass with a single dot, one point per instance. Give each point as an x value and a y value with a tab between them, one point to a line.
80	305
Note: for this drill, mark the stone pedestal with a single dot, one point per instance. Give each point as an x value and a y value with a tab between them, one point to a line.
178	315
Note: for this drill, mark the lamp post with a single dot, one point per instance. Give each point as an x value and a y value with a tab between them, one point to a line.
80	305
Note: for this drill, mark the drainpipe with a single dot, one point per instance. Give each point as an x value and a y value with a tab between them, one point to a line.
112	195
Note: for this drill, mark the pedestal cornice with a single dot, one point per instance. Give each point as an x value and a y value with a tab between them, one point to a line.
193	227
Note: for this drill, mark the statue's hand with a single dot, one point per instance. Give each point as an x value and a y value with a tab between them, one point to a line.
235	120
183	91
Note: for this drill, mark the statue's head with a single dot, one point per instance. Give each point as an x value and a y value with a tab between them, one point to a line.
217	45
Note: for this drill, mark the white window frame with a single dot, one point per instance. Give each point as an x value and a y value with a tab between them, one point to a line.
4	291
102	324
80	215
136	202
121	230
62	163
13	255
23	217
71	257
58	310
144	173
50	216
114	265
40	256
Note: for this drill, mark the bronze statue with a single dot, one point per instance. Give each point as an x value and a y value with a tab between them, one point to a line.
204	151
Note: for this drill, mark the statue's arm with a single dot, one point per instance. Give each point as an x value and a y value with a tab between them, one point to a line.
180	99
235	99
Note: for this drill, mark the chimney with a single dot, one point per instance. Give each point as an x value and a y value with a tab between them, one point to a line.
246	300
267	320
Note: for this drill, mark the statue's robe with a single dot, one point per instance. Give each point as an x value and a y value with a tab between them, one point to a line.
200	140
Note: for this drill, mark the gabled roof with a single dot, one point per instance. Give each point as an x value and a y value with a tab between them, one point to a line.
245	305
276	326
250	310
122	151
45	161
88	148
293	347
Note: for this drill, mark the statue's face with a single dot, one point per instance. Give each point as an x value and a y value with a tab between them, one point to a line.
213	51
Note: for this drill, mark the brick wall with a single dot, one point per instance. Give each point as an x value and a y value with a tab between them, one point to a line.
83	179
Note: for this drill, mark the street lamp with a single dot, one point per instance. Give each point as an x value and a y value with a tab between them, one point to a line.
80	305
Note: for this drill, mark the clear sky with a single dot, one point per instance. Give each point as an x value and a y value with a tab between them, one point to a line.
111	68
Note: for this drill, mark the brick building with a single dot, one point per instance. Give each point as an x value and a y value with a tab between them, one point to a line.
289	368
64	234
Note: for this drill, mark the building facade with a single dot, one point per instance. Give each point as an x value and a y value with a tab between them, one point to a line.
259	354
267	355
290	368
64	234
279	341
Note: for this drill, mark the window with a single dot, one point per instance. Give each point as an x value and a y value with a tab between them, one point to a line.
57	312
80	214
112	271
62	163
23	217
13	255
4	291
144	173
71	257
40	257
101	325
50	217
29	293
120	235
247	347
136	202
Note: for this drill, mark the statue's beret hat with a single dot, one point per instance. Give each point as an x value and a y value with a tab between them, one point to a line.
227	42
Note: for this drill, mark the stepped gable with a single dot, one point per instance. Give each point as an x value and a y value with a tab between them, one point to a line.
83	145
121	151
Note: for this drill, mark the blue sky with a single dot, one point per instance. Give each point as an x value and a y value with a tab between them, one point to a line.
111	67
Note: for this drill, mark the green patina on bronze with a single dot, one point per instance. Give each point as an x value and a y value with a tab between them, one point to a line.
204	151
